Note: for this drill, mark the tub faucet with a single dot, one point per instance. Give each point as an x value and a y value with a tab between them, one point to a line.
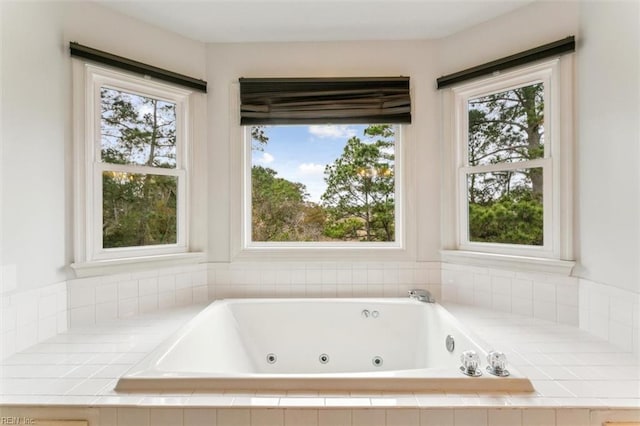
421	295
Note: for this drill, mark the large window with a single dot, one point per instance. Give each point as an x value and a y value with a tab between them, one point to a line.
132	174
321	163
511	163
322	183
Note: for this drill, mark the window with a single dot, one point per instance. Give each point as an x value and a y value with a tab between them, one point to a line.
141	180
322	165
322	183
512	163
132	167
504	167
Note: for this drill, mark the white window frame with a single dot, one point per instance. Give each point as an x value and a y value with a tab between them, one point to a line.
90	256
243	249
556	76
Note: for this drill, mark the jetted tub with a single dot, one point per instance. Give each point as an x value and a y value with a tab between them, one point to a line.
320	345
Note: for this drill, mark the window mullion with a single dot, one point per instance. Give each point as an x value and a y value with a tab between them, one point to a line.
498	167
146	170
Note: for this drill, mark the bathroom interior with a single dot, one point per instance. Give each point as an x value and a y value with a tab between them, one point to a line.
567	317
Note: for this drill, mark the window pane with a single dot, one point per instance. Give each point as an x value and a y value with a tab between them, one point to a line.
507	127
323	183
506	207
137	129
138	209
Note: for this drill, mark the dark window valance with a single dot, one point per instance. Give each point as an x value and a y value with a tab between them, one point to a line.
95	55
325	100
566	45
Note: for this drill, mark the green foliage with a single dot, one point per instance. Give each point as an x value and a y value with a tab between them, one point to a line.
507	126
346	229
512	219
360	188
505	206
138	209
357	205
280	211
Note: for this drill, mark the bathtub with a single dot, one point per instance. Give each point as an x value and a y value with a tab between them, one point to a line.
317	345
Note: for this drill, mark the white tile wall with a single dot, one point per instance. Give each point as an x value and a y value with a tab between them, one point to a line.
545	296
98	299
35	315
30	317
605	311
610	313
94	300
130	416
321	279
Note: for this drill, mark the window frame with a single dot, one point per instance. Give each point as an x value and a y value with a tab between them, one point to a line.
91	257
239	251
556	75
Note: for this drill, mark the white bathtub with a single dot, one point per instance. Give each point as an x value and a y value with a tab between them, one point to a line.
317	345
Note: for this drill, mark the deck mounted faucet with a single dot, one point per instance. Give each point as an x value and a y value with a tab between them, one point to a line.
421	295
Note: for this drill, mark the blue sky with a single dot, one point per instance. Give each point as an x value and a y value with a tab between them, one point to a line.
300	153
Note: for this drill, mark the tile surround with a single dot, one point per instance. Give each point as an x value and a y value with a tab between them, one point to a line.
602	310
321	279
544	296
98	299
610	313
127	416
568	359
31	316
571	389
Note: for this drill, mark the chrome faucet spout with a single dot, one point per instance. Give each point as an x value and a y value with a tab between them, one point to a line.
421	295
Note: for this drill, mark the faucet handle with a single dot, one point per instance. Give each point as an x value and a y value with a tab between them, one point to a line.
470	363
497	364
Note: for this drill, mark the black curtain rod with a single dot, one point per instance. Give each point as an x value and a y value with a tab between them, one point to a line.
116	61
559	47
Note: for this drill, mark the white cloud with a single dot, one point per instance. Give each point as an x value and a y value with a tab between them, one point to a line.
311	169
332	131
265	159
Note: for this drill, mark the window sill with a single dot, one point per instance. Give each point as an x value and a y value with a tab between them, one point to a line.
511	262
130	264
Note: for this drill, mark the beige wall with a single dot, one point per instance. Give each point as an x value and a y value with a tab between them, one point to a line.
416	59
36	120
36	132
608	119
